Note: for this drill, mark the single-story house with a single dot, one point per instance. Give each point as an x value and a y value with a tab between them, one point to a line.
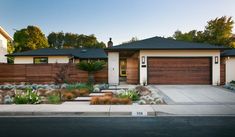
159	60
155	60
4	38
228	58
50	55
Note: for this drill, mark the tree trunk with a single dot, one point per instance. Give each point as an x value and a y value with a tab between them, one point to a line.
91	79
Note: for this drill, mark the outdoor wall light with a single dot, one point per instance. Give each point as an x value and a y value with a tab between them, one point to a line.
216	59
143	59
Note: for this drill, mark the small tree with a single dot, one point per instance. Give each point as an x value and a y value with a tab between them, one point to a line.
91	67
62	76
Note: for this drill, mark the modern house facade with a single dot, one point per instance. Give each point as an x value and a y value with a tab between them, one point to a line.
164	61
155	60
4	38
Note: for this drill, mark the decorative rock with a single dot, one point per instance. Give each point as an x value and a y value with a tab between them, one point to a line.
8	100
63	86
20	86
44	99
158	100
142	102
11	93
152	103
143	91
96	89
1	99
48	92
42	92
150	100
101	86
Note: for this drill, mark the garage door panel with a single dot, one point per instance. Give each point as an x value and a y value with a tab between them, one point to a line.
179	70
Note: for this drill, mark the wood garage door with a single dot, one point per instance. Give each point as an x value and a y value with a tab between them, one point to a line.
179	71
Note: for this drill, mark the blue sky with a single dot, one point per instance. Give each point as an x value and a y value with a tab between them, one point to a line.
119	19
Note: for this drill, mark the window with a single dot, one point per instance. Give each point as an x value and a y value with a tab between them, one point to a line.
40	60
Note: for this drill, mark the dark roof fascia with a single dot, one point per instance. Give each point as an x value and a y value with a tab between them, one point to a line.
92	58
222	55
110	50
127	49
12	55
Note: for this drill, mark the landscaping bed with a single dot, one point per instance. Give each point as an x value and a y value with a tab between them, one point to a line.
230	86
140	95
42	94
99	94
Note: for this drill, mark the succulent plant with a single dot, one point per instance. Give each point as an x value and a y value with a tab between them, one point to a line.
96	89
8	100
142	102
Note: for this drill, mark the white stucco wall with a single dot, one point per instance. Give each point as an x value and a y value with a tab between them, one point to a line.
58	59
181	53
51	59
3	49
113	68
230	69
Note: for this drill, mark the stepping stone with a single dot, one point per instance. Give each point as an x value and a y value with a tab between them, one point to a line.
108	90
82	99
96	94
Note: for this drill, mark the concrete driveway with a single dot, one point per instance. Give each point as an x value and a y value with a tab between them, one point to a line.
196	94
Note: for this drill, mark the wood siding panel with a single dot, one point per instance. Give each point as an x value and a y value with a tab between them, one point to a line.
179	71
222	74
132	70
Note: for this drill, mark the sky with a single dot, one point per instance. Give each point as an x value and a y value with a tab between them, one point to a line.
119	19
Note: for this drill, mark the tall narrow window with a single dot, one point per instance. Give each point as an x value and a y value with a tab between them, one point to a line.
40	60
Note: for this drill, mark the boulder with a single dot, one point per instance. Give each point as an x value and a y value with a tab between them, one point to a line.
11	93
1	99
143	91
96	89
63	86
8	100
42	92
1	92
142	102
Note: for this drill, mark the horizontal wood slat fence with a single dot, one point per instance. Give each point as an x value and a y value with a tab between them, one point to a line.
46	73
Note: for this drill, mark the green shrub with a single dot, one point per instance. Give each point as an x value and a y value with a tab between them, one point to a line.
29	96
130	93
91	67
232	82
76	86
71	87
53	99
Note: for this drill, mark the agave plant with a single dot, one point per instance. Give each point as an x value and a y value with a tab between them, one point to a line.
91	67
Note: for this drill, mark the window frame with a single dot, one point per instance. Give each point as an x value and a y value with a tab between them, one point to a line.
39	58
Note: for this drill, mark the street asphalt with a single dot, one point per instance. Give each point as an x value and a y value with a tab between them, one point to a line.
117	127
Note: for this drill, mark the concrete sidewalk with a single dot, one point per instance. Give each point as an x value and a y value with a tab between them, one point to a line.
116	110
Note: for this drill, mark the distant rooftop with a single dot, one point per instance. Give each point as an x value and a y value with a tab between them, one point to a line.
77	52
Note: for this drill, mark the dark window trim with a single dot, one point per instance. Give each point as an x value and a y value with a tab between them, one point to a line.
39	58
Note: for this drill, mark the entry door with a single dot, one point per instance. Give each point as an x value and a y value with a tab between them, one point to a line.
123	68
